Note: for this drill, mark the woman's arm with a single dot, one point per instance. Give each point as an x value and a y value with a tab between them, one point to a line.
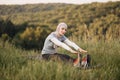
72	44
63	45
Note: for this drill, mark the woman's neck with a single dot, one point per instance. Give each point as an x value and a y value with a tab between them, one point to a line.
57	34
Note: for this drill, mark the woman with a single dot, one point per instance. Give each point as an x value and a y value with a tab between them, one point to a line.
57	39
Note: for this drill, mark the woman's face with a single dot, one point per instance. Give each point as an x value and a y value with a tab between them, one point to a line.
62	31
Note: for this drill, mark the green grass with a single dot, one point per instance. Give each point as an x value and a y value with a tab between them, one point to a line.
15	66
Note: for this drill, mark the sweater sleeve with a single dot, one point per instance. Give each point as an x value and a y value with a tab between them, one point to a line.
72	44
60	44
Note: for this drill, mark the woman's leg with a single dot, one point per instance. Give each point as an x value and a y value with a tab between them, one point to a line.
64	57
46	56
58	57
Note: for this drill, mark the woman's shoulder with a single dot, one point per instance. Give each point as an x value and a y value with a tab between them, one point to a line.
52	34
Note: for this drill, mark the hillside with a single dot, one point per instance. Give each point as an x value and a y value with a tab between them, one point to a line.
28	8
87	22
85	13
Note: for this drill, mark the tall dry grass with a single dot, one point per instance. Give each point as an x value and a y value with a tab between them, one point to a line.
14	66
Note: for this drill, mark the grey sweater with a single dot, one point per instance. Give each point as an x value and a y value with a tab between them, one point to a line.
52	42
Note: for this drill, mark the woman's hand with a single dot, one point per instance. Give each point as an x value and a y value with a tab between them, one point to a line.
72	51
82	51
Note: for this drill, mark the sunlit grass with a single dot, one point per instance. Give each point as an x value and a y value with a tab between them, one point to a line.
14	65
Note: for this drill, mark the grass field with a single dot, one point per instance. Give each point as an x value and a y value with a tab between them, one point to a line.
15	66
